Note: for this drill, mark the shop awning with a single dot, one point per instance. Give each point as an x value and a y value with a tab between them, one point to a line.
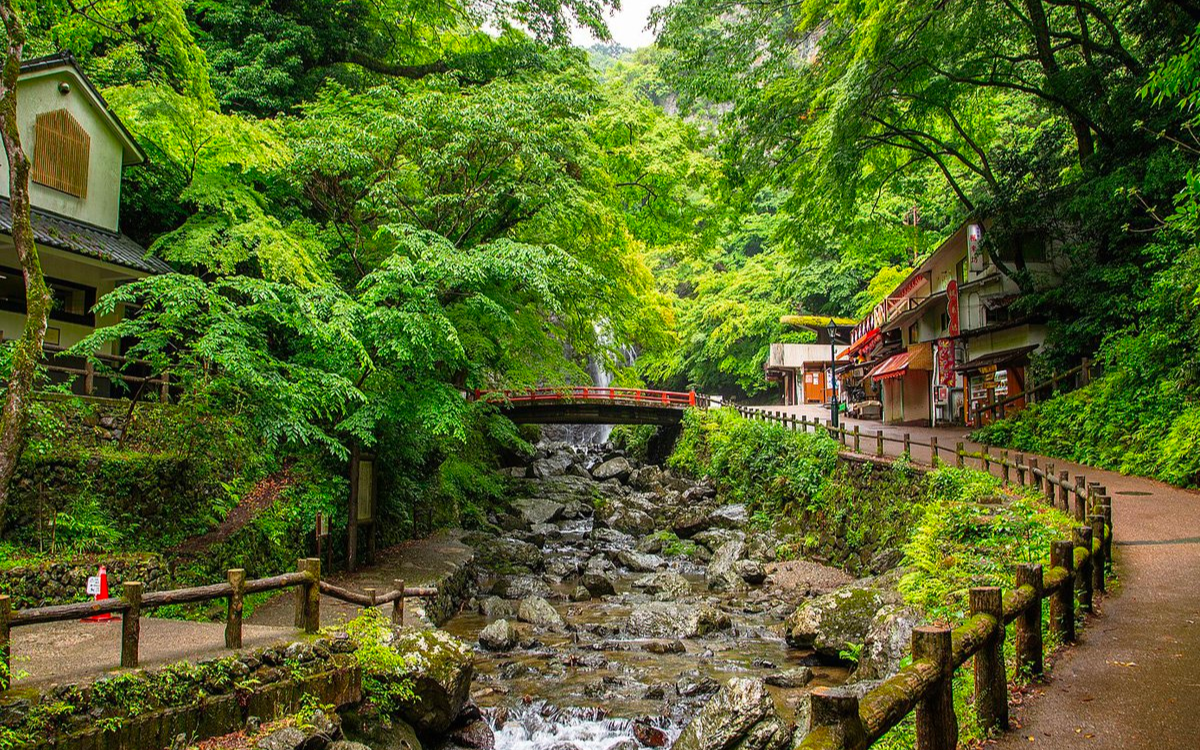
893	367
998	359
862	342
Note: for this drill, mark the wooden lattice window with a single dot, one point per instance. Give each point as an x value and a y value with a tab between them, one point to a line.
60	153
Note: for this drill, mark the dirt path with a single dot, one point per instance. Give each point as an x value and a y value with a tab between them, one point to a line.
259	498
417	562
1133	681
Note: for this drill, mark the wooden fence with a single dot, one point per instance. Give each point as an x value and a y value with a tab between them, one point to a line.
133	602
1077	573
1076	377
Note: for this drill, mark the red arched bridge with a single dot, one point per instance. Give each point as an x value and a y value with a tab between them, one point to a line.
593	405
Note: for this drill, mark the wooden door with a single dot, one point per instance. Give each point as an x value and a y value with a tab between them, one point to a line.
814	387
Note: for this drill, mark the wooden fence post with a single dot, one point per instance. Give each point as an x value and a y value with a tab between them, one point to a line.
131	626
398	605
234	608
937	727
371	595
837	709
1048	483
959	458
5	668
1028	625
857	440
308	596
1097	522
1004	473
1064	481
879	443
1021	469
1034	479
908	444
991	684
933	451
1083	578
1106	511
1080	497
987	459
1062	602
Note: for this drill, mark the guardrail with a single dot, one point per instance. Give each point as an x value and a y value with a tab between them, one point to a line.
645	396
1076	377
1077	573
133	602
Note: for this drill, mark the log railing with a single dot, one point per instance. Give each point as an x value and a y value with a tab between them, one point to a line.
133	602
1073	378
87	374
1076	574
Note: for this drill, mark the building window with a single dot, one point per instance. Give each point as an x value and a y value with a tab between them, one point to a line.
914	334
71	303
61	150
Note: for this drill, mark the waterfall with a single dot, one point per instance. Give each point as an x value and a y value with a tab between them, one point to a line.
582	434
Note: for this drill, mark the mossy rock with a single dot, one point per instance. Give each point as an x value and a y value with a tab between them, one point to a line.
835	622
441	668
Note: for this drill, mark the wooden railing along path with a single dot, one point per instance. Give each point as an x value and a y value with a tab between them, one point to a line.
133	602
1076	377
841	721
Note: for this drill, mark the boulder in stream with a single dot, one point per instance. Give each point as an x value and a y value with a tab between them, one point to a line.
598	584
501	635
740	717
441	668
538	612
670	620
666	586
537	510
613	468
831	623
640	563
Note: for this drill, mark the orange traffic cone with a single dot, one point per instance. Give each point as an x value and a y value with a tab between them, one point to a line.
102	574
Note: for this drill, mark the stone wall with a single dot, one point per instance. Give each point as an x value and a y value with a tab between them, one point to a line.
63	581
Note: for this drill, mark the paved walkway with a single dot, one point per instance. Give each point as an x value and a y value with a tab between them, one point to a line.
69	652
1133	681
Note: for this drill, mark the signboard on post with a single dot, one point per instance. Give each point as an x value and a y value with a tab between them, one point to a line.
93	586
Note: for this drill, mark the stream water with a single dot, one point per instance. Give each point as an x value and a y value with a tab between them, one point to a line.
667	620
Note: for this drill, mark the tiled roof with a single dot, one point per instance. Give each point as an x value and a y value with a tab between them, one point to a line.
58	232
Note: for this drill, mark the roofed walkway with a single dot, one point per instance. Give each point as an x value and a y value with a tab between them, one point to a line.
1134	679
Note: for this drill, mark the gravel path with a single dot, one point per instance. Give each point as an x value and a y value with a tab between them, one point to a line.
1133	681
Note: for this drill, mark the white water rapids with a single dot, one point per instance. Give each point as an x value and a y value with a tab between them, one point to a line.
540	726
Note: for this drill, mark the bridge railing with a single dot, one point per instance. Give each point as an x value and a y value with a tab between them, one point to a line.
133	602
1077	574
643	396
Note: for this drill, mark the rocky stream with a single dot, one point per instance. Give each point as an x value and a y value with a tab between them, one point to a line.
622	606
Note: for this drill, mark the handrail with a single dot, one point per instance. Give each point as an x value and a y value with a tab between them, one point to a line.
1032	391
133	601
1075	576
89	374
647	396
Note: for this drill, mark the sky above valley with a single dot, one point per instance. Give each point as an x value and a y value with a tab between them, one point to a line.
628	25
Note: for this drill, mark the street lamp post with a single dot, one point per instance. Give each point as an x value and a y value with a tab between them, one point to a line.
833	404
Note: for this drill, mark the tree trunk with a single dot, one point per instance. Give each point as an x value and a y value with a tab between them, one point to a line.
14	416
1040	27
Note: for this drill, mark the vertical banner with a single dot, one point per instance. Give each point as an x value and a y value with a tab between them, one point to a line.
945	363
952	307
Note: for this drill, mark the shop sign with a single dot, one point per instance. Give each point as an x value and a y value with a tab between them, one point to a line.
952	307
945	363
